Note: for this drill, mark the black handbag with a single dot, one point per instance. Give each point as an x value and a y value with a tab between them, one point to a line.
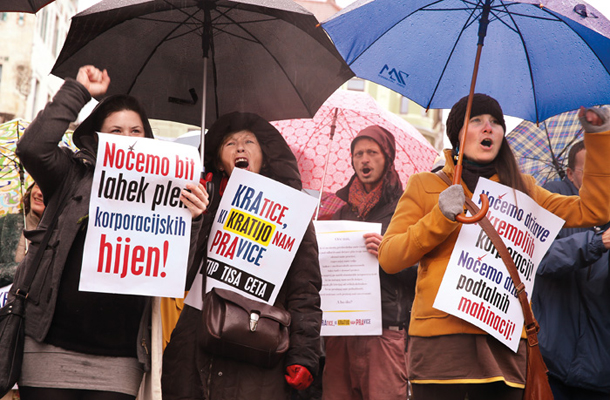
12	336
12	315
243	329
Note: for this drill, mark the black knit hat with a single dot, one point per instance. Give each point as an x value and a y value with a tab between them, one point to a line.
481	104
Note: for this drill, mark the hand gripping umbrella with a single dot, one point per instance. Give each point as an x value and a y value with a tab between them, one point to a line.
541	58
265	56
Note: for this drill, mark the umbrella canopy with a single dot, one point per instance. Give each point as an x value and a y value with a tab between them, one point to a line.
29	6
325	162
540	58
542	150
13	178
12	174
265	56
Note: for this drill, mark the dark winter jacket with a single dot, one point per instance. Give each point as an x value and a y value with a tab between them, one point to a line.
60	171
191	373
398	290
570	300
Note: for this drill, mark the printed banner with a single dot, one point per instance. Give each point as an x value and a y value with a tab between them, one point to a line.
257	230
351	291
139	231
476	286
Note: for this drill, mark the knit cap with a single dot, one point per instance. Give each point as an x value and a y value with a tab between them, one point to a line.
481	104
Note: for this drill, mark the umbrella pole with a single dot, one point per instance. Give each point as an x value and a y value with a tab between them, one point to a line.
457	177
21	184
333	126
203	108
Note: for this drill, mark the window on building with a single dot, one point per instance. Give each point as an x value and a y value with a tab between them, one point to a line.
355	84
3	16
35	90
404	105
55	36
21	19
42	28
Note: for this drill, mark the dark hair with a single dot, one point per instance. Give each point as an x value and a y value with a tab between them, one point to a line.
574	150
84	135
121	102
25	200
508	170
279	163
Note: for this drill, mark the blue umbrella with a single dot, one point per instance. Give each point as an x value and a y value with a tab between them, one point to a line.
540	60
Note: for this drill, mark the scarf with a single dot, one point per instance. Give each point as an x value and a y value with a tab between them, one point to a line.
472	171
361	201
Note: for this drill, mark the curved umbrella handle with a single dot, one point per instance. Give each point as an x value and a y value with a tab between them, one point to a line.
478	216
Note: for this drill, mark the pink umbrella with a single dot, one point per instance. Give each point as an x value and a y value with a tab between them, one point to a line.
324	157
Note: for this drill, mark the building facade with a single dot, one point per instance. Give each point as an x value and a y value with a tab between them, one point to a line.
30	45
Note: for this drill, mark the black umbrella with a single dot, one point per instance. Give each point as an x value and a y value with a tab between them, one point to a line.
266	56
29	6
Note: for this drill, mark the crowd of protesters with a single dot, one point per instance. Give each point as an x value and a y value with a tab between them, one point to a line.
94	346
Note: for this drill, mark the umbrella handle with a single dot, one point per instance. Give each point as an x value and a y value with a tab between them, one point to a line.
478	216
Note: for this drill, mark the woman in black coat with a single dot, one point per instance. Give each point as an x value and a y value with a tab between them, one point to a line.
243	140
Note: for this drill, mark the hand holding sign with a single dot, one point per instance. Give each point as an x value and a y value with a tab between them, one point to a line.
195	198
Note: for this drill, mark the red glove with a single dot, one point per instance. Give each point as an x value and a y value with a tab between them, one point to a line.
298	377
208	178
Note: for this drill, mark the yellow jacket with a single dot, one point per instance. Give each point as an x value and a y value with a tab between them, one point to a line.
419	232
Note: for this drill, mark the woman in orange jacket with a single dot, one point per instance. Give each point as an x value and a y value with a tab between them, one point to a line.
450	358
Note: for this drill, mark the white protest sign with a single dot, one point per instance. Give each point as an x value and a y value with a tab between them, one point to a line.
351	291
4	295
476	286
139	231
256	233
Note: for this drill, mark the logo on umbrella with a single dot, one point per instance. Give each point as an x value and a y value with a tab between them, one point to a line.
393	75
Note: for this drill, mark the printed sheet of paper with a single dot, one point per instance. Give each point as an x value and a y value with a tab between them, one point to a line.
351	292
476	286
139	231
257	231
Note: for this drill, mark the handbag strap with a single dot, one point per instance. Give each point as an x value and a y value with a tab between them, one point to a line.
531	325
54	207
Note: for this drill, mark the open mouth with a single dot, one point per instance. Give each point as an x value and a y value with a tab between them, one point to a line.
242	163
486	143
366	170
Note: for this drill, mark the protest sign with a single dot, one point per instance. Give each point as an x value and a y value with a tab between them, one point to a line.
4	295
476	286
139	231
257	230
351	291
